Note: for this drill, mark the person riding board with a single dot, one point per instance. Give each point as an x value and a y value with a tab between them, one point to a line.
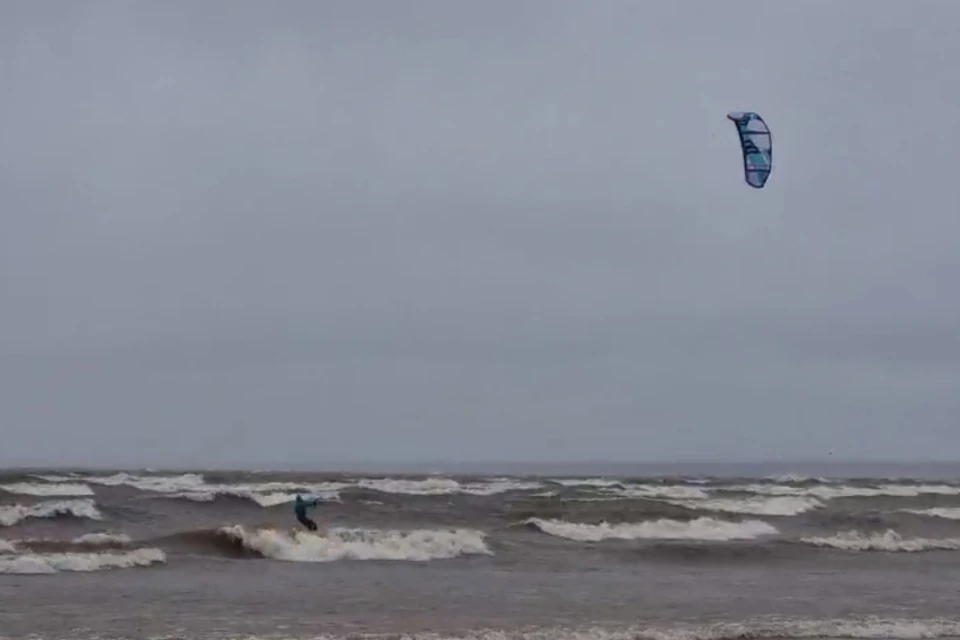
300	509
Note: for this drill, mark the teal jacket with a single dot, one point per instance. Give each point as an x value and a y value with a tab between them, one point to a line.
300	505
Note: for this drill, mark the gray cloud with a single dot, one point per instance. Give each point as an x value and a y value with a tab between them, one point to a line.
503	230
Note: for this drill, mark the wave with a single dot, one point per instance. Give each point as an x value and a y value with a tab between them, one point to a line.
158	484
889	540
73	477
833	492
418	545
47	563
663	529
96	539
649	491
192	486
947	513
41	489
796	478
607	509
445	486
602	483
12	514
102	539
774	506
263	498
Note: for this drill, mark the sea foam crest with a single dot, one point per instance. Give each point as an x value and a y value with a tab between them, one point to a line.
159	484
445	486
832	492
265	495
360	544
887	541
947	513
103	538
44	489
587	482
12	514
663	529
761	506
46	563
193	486
655	491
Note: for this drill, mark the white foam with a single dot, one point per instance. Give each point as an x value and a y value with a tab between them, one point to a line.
55	478
38	489
888	541
361	544
45	563
795	478
268	494
12	514
656	491
502	485
8	546
102	538
844	491
586	482
159	484
774	506
947	513
699	529
196	496
192	486
444	486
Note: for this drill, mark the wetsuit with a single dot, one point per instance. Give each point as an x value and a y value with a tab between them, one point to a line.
300	508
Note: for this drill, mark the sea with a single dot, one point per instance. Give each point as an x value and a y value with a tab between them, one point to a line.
570	552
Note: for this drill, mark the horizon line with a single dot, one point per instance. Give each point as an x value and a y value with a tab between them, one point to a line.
451	466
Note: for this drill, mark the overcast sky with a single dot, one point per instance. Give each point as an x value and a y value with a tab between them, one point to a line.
286	233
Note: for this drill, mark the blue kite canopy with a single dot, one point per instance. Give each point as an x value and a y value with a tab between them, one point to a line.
756	143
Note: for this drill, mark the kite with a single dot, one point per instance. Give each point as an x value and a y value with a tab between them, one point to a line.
756	144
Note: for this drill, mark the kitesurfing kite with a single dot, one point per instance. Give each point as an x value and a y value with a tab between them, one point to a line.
756	145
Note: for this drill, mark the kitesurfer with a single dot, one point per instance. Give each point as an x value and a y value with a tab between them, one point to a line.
300	509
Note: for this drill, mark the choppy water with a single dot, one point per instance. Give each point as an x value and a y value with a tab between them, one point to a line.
682	554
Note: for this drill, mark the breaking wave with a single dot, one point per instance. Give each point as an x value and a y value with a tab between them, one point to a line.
46	563
419	545
586	482
663	529
947	513
192	486
887	541
102	539
672	492
262	498
445	486
833	492
12	514
47	490
775	506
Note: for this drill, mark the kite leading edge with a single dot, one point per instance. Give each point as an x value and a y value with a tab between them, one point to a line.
756	144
